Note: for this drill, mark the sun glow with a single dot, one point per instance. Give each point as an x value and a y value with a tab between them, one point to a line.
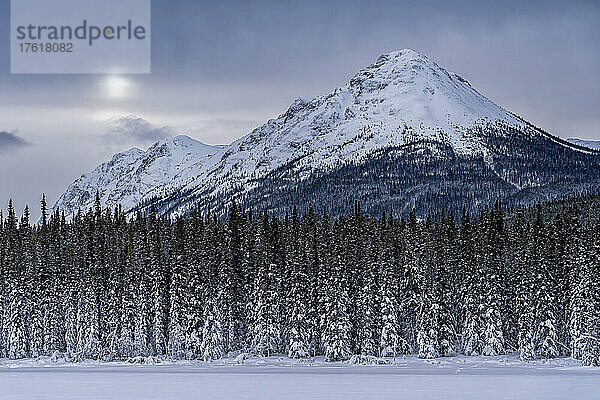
117	86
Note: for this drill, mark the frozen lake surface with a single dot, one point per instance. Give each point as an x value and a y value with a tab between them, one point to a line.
278	378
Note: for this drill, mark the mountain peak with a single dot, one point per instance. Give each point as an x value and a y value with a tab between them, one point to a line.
185	141
401	60
400	56
401	69
404	66
408	86
402	98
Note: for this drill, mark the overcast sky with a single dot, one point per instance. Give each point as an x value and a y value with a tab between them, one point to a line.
221	68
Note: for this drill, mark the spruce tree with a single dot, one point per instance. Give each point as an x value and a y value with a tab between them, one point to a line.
391	341
232	274
368	301
578	282
178	293
16	319
587	297
491	260
545	331
266	330
338	327
298	300
213	343
470	291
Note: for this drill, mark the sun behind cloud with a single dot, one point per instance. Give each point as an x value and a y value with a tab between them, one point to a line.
117	87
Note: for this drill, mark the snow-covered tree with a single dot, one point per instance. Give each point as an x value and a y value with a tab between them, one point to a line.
213	336
391	341
266	329
178	294
491	261
586	302
298	300
368	305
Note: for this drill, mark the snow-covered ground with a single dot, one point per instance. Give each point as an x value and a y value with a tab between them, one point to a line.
488	378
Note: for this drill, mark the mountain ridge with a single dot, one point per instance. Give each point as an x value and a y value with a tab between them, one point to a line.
586	143
132	174
398	101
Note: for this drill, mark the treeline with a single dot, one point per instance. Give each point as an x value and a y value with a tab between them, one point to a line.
103	287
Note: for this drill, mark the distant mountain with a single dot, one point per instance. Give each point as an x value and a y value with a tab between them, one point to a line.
402	133
135	175
590	144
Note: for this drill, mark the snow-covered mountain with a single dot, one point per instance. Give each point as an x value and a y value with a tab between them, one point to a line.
402	111
134	175
590	144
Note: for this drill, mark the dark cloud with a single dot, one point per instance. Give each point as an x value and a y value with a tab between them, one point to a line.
135	130
10	142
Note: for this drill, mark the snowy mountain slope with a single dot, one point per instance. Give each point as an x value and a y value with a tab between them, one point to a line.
401	89
400	97
135	174
403	98
590	144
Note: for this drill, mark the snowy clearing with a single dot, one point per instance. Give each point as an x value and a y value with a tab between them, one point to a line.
487	378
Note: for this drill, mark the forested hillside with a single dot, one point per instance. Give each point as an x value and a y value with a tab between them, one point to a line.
429	176
103	287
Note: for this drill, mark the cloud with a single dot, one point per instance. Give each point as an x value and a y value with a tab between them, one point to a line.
132	129
10	142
